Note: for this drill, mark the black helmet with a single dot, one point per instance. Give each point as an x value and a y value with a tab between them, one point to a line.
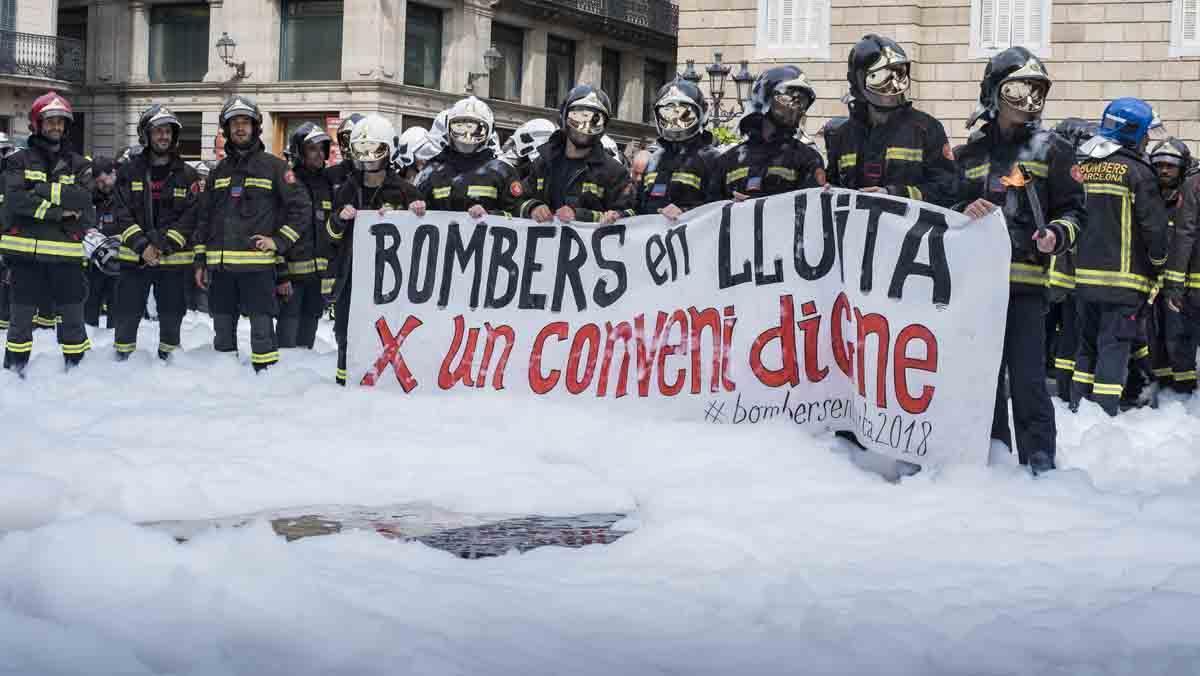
1030	83
782	95
1174	152
343	132
680	111
307	133
1076	130
592	110
878	71
158	115
238	105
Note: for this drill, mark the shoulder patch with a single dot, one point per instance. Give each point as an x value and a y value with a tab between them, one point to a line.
197	187
515	189
947	152
289	177
1076	173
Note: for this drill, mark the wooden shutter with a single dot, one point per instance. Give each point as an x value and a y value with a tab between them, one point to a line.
1189	30
8	15
793	23
1008	23
987	24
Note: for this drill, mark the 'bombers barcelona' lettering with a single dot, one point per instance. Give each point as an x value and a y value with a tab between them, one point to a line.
817	308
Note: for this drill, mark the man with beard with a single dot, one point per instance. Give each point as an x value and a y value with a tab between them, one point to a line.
159	193
254	210
1029	173
574	178
48	199
1171	158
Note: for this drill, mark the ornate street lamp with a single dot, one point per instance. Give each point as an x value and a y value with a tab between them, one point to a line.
718	73
492	58
226	49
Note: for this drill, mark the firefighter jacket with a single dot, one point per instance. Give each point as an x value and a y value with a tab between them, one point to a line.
908	154
338	173
395	193
40	185
251	192
1126	238
1183	260
309	257
162	213
108	211
758	167
990	167
684	174
599	184
453	181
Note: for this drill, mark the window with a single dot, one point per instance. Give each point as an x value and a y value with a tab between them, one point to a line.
506	79
178	43
560	70
997	25
610	77
8	15
189	139
1185	28
792	28
311	45
653	78
423	47
287	124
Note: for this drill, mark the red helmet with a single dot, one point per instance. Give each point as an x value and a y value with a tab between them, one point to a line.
46	106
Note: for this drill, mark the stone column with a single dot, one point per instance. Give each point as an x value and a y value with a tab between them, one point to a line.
588	61
372	37
533	79
217	70
632	65
108	36
471	23
139	43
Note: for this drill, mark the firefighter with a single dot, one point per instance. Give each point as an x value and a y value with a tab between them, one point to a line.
772	159
254	210
683	173
886	145
375	184
159	193
102	287
1171	159
521	149
412	142
1015	165
48	197
574	178
337	173
307	261
6	148
466	175
1120	255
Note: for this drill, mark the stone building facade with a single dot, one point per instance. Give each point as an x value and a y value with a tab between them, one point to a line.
33	59
321	59
1095	50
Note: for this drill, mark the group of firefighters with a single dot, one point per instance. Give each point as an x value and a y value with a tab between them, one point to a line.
1102	216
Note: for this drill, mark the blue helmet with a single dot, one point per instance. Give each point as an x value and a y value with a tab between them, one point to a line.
1127	121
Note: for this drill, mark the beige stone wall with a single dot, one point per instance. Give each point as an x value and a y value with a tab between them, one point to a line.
1099	51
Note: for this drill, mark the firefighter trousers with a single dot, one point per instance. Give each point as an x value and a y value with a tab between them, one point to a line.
34	282
1181	331
1023	368
170	298
300	313
1107	332
232	294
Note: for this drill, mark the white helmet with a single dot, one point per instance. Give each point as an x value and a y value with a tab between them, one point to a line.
102	251
469	124
407	145
523	145
371	142
610	147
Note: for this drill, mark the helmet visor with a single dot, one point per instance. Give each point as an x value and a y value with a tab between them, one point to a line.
889	80
677	120
586	121
788	108
1024	95
468	132
369	151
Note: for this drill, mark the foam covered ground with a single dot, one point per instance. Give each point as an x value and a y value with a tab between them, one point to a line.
756	552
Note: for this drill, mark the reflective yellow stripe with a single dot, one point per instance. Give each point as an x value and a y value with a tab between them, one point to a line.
1085	378
1064	364
1027	273
125	254
34	175
1070	227
1107	389
130	232
592	188
1124	280
1175	276
217	184
67	180
1106	189
264	183
648	180
326	205
327	286
287	231
481	191
40	212
906	154
56	194
687	179
240	257
138	186
541	183
914	193
77	348
302	267
322	264
848	161
978	172
737	174
1193	279
199	249
180	258
782	172
264	358
1183	376
1038	169
167	347
17	244
1061	280
41	247
332	233
1142	352
1160	373
441	193
177	237
125	348
180	192
18	347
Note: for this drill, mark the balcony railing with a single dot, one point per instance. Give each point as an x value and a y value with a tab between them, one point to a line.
657	16
44	56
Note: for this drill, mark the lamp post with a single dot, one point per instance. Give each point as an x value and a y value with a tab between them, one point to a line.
718	73
492	58
226	49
